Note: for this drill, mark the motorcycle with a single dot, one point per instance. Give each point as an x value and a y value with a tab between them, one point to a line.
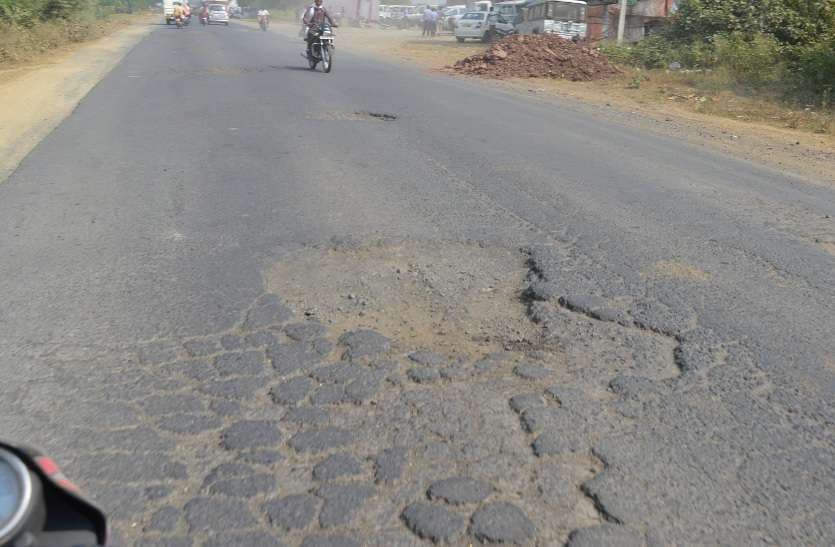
321	48
263	22
204	18
40	506
179	22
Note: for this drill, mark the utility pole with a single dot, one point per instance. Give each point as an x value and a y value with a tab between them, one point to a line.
605	21
621	21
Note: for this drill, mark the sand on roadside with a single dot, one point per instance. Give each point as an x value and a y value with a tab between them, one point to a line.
36	97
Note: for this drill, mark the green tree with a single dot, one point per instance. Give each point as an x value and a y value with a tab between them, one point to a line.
64	9
791	22
21	12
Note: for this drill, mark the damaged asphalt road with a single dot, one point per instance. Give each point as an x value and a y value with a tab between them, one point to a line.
269	319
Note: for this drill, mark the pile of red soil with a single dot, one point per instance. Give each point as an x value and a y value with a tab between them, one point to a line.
538	56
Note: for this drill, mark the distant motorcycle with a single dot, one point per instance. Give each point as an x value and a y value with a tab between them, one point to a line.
321	48
263	23
179	22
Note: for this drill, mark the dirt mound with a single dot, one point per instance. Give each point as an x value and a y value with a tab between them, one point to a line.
540	56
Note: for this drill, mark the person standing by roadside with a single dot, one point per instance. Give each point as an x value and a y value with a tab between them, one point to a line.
435	18
427	21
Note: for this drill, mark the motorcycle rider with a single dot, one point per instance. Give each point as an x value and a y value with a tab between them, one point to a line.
178	12
264	16
314	17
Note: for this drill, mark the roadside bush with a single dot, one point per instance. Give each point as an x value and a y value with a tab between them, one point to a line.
792	22
19	43
64	9
696	55
653	52
812	72
21	12
752	61
658	51
760	43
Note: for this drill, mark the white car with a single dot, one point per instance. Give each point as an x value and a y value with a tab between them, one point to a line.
478	24
451	15
217	14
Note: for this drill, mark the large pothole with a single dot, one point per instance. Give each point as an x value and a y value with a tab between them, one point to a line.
461	299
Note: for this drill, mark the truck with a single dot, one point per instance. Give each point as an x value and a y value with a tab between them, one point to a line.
168	11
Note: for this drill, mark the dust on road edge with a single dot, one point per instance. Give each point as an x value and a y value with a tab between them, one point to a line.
37	101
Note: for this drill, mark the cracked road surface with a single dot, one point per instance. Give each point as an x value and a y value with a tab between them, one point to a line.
241	312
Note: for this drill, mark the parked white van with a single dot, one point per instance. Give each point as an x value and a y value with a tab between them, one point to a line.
566	18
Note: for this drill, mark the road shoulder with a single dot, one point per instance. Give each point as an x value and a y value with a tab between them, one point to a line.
809	155
35	99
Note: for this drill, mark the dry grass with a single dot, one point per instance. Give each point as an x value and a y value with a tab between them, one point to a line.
714	94
20	45
699	93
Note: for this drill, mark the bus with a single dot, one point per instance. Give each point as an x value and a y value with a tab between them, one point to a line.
510	9
566	18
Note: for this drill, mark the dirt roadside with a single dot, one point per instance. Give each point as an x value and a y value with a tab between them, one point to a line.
799	152
36	97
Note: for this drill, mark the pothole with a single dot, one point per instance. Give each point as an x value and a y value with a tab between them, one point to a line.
378	116
226	70
352	116
456	298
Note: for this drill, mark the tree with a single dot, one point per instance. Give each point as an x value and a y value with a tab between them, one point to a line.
63	9
21	12
791	22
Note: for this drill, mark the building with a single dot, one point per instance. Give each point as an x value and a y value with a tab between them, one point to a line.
355	10
642	18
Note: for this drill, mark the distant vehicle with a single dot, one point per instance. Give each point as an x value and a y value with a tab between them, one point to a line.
566	18
217	14
395	15
414	16
510	10
451	15
482	5
168	11
482	25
